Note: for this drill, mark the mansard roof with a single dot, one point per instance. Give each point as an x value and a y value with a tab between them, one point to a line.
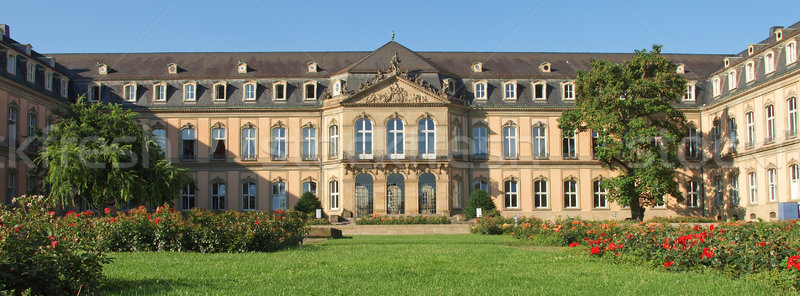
208	65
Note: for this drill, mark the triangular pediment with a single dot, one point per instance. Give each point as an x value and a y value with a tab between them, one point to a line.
379	59
396	90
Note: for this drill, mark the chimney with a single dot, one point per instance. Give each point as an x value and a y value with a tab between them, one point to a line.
5	31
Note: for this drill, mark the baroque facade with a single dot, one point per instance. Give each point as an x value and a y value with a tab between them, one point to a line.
394	131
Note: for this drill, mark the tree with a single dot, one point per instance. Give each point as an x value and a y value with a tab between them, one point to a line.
630	108
478	199
101	154
308	203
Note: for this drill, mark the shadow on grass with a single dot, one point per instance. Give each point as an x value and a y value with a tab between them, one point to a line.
138	287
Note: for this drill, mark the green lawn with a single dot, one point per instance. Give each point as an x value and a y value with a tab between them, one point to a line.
410	265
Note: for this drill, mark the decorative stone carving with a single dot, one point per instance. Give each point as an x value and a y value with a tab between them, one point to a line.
396	94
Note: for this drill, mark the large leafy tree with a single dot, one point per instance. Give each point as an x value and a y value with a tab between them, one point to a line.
630	107
100	153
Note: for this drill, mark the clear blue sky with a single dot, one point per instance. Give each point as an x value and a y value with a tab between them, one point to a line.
536	25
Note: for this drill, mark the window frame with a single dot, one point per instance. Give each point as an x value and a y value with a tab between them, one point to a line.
794	178
160	92
510	142
791	52
278	138
30	73
364	138
249	95
395	149
249	199
11	63
193	143
94	92
190	96
510	90
732	79
480	143
693	194
751	128
749	72
568	90
216	91
160	141
539	141
218	200
567	153
535	92
484	93
690	95
129	92
333	141
219	136
511	194
333	195
541	198
48	80
772	185
188	197
13	126
309	143
571	200
64	87
769	62
752	187
791	117
284	90
769	115
310	96
600	194
249	135
716	86
426	138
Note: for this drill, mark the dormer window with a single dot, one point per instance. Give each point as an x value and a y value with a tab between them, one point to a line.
310	90
129	92
279	91
690	92
778	35
544	67
791	52
312	67
48	80
241	67
64	87
337	87
220	90
568	90
750	49
11	65
160	92
477	67
480	90
732	79
31	72
749	71
190	91
250	88
715	86
510	90
769	62
93	92
540	90
681	69
449	85
102	69
172	68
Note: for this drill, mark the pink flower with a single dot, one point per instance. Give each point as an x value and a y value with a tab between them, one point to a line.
107	210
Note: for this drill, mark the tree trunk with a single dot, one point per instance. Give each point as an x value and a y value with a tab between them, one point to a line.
637	211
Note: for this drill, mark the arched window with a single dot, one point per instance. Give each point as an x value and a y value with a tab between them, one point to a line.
769	63
278	195
333	141
395	138
427	138
310	186
540	197
693	194
511	194
220	91
189	141
715	87
770	115
364	138
791	52
791	114
510	142
600	194
333	187
363	195
395	197
732	81
309	143
570	193
427	193
249	193
218	193
481	184
188	195
129	92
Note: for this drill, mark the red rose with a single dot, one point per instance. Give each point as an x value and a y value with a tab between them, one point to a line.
53	244
52	213
668	263
158	220
706	253
107	210
762	244
594	250
574	244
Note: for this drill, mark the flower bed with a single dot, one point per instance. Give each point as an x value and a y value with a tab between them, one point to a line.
764	251
390	220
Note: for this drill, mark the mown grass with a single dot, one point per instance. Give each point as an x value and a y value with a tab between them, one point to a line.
407	265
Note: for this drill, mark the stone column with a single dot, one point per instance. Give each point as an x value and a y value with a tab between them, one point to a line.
412	194
379	193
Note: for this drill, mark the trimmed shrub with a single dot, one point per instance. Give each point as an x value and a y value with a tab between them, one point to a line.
387	220
478	199
308	203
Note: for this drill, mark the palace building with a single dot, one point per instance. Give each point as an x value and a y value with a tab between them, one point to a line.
396	131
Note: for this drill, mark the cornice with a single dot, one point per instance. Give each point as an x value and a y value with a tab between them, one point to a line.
754	88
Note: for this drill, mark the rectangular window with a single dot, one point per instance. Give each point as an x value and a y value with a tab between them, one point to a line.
715	87
250	92
568	146
278	195
693	194
310	187
600	194
456	195
31	72
770	114
94	93
457	141
309	143
794	181
689	95
791	52
248	143
773	184
510	91
540	194
570	194
334	197
480	143
539	91
31	184
751	184
64	87
426	139
511	195
249	193
480	91
718	192
364	139
749	72
769	63
12	127
189	92
333	141
189	140
280	91
482	185
509	142
595	144
218	143
539	142
218	196
791	117
733	138
11	186
129	92
11	64
48	80
188	195
734	191
716	134
569	91
160	92
751	129
279	143
220	92
310	91
732	81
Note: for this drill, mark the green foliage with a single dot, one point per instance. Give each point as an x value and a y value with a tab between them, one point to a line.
682	219
100	153
40	253
388	220
308	203
630	107
478	199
